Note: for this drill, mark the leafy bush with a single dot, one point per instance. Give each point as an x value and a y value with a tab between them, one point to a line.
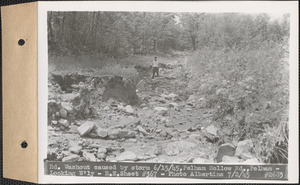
248	91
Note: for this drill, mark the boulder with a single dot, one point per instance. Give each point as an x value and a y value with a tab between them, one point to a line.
68	107
127	156
244	146
71	158
225	149
89	156
85	128
129	109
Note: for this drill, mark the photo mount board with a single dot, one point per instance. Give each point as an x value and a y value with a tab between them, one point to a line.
20	93
20	99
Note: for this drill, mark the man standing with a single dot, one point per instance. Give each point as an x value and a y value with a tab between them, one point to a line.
155	67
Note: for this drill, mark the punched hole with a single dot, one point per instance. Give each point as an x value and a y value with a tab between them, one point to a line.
21	42
24	144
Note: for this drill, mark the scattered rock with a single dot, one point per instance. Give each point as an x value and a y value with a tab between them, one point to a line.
93	111
191	99
225	149
244	146
73	130
126	134
246	156
121	107
51	102
181	145
164	96
101	155
199	160
230	159
211	129
103	133
129	109
54	122
71	158
210	137
173	105
201	103
106	108
143	131
172	95
163	133
195	136
132	140
170	152
252	161
158	150
113	134
75	149
64	122
68	107
102	150
161	110
127	156
89	156
63	113
85	128
92	135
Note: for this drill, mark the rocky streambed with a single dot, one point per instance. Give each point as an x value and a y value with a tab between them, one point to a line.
109	118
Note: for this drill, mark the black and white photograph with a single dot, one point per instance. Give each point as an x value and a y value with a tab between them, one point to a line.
168	87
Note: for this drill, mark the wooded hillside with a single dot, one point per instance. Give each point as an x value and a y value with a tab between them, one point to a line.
119	34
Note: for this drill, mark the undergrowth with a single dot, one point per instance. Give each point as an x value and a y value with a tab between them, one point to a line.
248	91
